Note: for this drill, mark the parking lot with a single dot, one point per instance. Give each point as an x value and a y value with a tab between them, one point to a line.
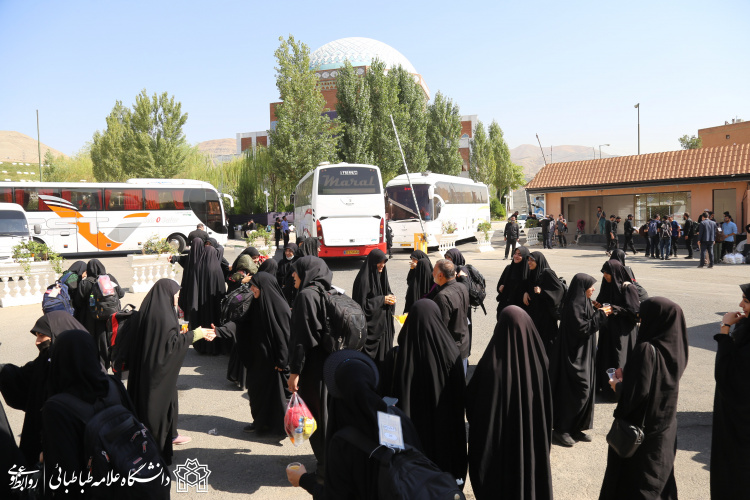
213	411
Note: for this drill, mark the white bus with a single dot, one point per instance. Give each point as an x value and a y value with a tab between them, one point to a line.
83	217
342	205
441	199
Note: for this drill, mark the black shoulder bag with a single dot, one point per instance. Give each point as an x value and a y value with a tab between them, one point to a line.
624	437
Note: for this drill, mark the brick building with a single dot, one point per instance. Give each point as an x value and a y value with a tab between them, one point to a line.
674	182
737	132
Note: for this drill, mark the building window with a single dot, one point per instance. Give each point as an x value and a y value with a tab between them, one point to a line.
727	136
648	205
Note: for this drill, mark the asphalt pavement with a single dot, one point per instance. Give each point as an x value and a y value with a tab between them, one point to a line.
213	410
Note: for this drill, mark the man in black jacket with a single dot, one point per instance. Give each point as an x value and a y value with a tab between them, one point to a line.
453	300
628	230
545	223
706	240
688	230
511	235
200	232
610	228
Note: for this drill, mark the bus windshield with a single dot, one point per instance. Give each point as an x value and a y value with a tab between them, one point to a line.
401	202
13	223
348	180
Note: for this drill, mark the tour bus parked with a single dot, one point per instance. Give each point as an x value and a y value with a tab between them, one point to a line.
14	229
342	205
442	200
83	217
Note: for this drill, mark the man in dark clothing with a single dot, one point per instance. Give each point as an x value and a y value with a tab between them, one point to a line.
706	239
453	300
653	235
546	222
688	230
200	232
675	233
511	235
610	227
629	229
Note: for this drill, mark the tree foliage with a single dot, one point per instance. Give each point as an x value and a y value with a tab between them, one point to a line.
145	141
304	136
508	176
482	161
355	114
76	168
690	142
443	136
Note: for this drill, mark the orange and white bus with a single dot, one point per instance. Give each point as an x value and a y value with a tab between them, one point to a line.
83	217
343	206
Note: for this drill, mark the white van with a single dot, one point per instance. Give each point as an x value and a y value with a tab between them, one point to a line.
14	229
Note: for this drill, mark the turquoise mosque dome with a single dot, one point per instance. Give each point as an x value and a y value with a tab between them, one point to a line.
359	52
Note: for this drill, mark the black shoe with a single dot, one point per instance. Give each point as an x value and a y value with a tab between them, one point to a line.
580	436
562	439
689	257
710	266
701	265
249	428
666	258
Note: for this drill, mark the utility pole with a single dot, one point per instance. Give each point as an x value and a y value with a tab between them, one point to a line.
638	107
39	145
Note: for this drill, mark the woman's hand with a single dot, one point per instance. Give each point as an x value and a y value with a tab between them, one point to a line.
293	383
731	318
389	300
293	475
537	289
500	290
526	298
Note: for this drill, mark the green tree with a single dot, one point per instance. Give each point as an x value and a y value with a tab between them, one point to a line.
146	141
508	176
257	176
355	114
383	102
443	136
482	162
69	169
411	121
304	136
690	142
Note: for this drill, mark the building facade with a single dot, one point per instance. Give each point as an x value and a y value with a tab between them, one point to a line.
737	132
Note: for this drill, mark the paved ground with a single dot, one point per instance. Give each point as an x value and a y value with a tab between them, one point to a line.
213	411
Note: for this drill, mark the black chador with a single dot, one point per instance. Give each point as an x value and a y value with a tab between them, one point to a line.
543	305
370	289
513	282
418	280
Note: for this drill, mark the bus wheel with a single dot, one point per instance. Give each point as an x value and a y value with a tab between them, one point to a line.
178	241
37	240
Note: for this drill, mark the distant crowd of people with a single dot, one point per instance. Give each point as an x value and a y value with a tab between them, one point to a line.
555	345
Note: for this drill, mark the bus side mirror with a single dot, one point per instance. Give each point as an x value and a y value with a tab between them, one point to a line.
37	229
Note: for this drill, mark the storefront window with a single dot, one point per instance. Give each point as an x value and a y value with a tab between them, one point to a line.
648	205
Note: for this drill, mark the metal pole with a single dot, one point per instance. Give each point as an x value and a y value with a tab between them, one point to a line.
542	149
408	178
638	107
39	145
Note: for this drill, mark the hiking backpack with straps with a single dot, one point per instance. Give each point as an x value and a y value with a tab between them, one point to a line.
345	321
116	442
474	281
103	301
57	296
404	474
236	304
120	330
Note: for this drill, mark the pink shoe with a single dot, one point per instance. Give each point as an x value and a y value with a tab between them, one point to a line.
181	440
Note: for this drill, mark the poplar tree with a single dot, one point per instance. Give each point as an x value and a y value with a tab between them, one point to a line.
482	162
355	114
508	176
443	136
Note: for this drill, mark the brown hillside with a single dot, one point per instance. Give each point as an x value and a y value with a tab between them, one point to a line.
18	147
530	157
218	147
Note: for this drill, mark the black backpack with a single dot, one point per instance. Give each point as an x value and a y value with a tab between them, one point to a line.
474	281
558	310
115	442
345	325
120	328
57	296
405	474
103	306
236	304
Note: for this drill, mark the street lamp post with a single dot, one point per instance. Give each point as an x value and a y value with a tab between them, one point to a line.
638	107
600	149
265	192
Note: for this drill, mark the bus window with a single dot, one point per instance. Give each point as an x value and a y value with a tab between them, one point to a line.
84	199
401	202
123	199
164	199
6	195
28	198
348	180
207	208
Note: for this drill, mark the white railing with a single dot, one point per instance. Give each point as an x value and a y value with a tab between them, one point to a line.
483	245
148	269
532	236
20	289
446	242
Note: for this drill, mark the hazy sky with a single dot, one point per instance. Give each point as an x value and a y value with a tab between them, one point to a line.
569	71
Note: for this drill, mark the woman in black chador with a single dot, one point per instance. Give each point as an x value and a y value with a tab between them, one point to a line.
79	269
305	246
372	291
203	288
574	381
428	381
288	257
543	297
512	283
730	444
157	352
262	337
617	335
96	327
306	352
650	384
509	409
419	279
26	387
